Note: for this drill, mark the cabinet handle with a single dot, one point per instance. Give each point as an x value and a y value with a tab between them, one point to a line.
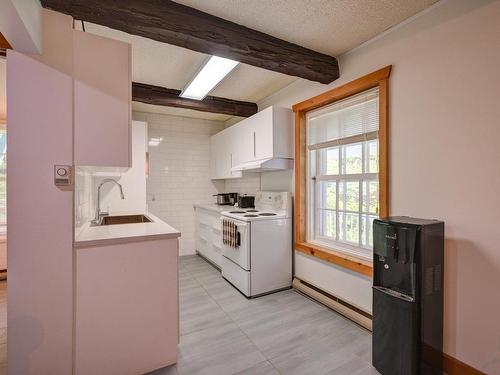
254	151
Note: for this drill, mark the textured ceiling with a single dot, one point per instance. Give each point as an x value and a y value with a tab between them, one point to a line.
329	26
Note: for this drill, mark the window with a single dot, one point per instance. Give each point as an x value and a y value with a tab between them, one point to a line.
341	171
342	154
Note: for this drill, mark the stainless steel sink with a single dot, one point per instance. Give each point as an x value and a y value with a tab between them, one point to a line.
125	219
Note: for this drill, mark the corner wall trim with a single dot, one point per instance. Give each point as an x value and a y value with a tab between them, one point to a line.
453	366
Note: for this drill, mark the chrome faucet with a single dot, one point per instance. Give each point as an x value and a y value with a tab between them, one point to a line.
98	213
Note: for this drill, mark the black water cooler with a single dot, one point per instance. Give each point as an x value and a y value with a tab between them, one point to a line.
408	265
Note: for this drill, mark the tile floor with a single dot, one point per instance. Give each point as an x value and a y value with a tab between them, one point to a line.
222	332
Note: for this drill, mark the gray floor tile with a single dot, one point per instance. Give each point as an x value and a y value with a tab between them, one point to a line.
170	370
356	366
218	350
263	368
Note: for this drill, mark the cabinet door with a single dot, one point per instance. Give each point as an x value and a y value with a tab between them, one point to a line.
263	134
223	161
102	101
126	302
232	145
244	140
222	155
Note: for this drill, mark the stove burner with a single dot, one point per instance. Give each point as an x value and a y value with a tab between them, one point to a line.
266	214
236	212
252	210
250	215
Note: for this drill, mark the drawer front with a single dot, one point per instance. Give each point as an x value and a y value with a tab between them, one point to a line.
209	235
202	244
236	275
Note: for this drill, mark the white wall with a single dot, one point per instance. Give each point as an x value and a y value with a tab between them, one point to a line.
40	233
444	153
21	24
179	171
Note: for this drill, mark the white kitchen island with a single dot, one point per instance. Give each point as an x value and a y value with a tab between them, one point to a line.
126	300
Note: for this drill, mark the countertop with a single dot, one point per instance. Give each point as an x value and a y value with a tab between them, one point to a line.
119	233
214	207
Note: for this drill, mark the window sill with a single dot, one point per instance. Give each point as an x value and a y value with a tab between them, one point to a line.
349	262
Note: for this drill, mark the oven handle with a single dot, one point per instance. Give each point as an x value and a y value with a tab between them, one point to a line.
238	225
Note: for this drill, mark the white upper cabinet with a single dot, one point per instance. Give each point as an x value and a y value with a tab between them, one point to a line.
267	134
223	155
258	143
102	101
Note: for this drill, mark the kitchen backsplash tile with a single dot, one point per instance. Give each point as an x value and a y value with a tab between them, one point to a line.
248	184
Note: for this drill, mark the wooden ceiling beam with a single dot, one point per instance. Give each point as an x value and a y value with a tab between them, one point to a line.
4	42
156	95
169	22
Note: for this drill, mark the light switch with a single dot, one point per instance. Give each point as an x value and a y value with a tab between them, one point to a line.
62	175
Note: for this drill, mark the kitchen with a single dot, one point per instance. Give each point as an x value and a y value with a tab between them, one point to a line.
188	206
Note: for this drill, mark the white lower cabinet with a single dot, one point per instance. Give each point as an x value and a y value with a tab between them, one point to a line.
127	313
209	235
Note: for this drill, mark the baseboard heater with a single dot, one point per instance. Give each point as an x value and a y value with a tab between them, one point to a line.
351	312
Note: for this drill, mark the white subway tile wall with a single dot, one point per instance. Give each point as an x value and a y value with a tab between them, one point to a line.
248	184
179	170
83	197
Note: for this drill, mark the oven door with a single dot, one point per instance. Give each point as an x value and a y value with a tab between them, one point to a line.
241	254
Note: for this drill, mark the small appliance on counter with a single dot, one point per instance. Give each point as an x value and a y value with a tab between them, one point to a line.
228	199
408	262
246	201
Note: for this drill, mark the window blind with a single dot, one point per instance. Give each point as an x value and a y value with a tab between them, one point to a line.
345	121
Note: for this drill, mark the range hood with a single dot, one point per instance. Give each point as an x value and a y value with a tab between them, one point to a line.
264	165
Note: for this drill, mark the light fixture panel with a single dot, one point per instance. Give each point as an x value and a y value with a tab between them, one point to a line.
214	71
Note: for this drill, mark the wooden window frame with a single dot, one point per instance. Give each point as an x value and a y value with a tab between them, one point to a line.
380	79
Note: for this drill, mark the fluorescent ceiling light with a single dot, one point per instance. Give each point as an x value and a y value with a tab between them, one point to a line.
215	69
